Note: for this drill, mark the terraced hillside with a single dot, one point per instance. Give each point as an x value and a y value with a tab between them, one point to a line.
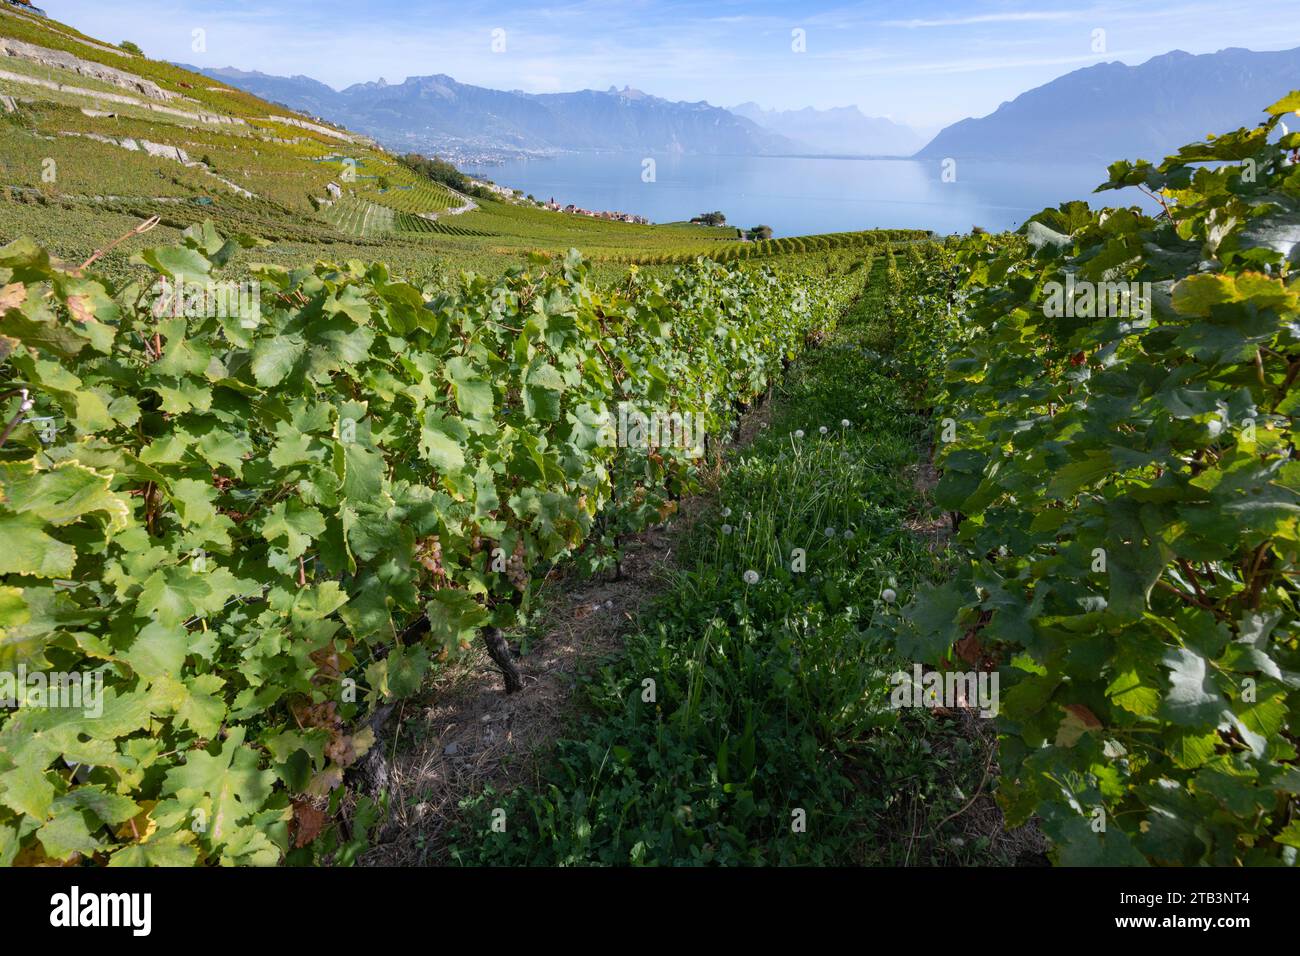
95	139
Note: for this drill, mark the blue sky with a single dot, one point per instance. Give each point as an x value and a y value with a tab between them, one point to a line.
925	62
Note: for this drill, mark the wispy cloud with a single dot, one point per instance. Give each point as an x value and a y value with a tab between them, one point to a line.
1027	16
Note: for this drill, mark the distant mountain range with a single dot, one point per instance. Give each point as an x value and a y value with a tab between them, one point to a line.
1112	111
842	131
432	113
1100	112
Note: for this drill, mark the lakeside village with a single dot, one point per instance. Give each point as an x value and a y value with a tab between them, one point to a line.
716	218
518	194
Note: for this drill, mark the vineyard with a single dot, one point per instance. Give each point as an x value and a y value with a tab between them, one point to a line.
771	739
420	198
257	531
361	218
1124	483
853	242
295	443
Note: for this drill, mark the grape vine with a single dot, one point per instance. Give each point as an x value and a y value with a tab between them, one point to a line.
1117	438
256	530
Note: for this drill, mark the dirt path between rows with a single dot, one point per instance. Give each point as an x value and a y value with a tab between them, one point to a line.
464	733
981	819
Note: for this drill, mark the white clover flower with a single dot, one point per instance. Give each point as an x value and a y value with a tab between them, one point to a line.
726	512
751	577
798	433
889	595
726	529
844	423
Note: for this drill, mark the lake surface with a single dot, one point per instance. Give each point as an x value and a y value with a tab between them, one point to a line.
800	196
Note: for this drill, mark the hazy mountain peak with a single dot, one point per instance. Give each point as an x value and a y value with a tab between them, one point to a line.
840	130
437	113
1088	114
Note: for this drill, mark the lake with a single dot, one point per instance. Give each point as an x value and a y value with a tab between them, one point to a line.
800	196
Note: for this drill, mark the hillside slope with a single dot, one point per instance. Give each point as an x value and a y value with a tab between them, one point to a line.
97	139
